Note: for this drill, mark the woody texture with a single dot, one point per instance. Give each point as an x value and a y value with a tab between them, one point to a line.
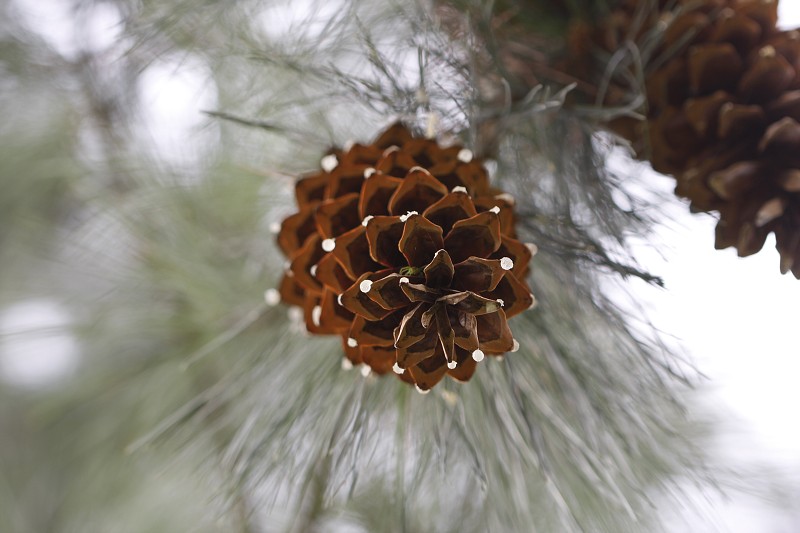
403	249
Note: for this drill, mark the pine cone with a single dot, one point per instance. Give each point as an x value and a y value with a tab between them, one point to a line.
403	249
723	119
723	95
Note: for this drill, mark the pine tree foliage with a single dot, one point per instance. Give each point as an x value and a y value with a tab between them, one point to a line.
197	406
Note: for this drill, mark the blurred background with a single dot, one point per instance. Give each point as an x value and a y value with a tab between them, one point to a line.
147	150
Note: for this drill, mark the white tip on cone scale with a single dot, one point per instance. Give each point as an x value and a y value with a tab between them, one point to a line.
451	365
365	286
450	398
501	302
346	364
366	370
366	220
313	270
767	51
421	390
295	314
506	197
404	280
408	215
316	314
368	172
432	126
478	355
275	228
495	210
328	245
339	300
506	263
272	297
459	188
329	162
351	342
515	348
465	155
397	370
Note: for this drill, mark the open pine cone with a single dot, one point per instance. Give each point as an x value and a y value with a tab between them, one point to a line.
403	249
724	119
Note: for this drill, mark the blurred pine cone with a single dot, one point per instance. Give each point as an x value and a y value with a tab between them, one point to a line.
403	249
723	95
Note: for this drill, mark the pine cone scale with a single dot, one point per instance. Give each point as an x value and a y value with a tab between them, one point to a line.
449	210
388	292
383	235
420	240
337	216
478	236
440	272
352	252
